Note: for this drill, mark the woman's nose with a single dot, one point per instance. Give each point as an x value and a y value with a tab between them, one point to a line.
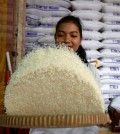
67	39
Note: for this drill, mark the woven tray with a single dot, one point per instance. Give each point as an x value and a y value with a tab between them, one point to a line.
59	121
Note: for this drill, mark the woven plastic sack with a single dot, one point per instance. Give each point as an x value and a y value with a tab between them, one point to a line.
49	20
31	37
63	3
92	25
45	29
86	0
114	34
110	8
44	11
87	14
111	17
47	39
86	5
93	53
110	53
111	45
111	1
110	27
92	35
111	41
110	79
109	62
91	44
110	88
35	20
110	70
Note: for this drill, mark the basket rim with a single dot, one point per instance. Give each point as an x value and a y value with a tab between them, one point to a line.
53	121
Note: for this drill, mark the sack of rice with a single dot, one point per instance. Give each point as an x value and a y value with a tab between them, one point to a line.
53	81
45	11
63	3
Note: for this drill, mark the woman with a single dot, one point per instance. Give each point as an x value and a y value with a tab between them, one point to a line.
69	32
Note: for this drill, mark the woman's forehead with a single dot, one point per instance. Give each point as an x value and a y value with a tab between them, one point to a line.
68	26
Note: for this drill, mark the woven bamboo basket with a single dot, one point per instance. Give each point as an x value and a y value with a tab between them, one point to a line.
51	121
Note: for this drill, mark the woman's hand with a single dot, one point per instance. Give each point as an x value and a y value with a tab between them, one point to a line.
106	124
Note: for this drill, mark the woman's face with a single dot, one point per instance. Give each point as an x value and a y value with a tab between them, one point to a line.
68	33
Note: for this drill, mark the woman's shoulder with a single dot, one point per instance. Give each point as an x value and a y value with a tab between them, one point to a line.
92	68
95	73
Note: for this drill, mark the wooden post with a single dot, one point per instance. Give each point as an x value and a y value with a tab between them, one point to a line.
21	29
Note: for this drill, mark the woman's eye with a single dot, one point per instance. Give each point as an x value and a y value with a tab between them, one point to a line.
73	36
60	35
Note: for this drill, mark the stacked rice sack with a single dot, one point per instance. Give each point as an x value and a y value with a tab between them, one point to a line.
110	54
41	18
89	13
52	81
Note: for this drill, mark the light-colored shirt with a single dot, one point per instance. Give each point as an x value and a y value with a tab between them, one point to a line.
95	73
78	130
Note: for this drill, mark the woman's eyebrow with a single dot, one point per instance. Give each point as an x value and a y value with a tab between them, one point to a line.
62	31
74	32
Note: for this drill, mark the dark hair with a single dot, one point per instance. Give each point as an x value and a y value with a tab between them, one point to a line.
81	52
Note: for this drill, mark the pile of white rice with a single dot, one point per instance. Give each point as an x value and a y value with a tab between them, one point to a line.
52	81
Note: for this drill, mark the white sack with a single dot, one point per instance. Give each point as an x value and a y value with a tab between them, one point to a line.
93	53
47	39
110	17
92	35
35	20
111	41
111	34
32	20
87	15
112	22
110	8
111	45
86	0
63	3
111	1
110	70
44	11
33	36
111	53
91	44
92	25
116	103
110	88
110	79
110	62
86	5
49	20
111	27
45	29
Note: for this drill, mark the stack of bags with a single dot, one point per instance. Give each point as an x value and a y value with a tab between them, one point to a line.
89	13
110	61
101	33
41	17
